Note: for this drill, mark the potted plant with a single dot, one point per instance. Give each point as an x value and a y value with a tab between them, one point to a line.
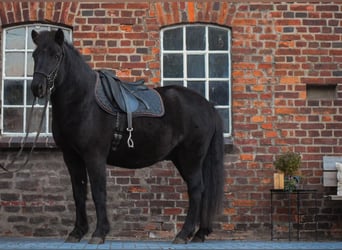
289	163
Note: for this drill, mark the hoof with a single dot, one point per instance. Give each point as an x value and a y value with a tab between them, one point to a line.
197	239
72	239
179	240
96	240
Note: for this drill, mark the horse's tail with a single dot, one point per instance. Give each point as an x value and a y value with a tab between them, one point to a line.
213	177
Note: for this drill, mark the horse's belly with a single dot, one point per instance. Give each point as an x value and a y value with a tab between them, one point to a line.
139	156
129	161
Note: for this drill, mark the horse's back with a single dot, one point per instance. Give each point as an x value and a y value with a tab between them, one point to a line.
183	101
188	119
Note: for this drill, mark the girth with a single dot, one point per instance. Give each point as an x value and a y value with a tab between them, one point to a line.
131	98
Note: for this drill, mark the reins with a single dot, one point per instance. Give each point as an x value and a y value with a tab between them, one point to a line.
51	77
23	143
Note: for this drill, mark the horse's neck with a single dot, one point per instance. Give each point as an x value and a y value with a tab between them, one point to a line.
77	84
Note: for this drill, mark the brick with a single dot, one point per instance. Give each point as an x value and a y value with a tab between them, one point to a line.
327	7
136	35
258	119
285	111
244	203
133	65
172	211
288	22
326	37
244	22
302	7
290	80
247	157
137	189
9	197
162	189
314	22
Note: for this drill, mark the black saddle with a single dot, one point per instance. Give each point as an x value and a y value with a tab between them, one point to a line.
133	98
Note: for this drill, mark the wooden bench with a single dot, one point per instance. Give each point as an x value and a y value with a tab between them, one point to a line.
330	173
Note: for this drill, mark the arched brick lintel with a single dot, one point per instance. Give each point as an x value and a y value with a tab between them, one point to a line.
169	13
56	12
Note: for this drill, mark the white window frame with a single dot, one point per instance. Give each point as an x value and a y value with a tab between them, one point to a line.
206	53
25	78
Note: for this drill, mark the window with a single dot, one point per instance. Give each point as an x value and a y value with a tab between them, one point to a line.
16	96
198	56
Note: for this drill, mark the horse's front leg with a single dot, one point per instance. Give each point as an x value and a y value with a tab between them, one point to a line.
97	177
78	175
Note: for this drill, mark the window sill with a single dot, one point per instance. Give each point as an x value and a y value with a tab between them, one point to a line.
14	142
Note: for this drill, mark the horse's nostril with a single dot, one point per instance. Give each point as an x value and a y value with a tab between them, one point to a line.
38	89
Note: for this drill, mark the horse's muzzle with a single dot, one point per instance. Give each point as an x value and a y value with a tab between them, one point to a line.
39	86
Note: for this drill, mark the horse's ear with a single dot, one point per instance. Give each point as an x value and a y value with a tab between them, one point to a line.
34	35
59	37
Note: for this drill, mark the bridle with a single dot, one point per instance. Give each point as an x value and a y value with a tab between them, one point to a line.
51	77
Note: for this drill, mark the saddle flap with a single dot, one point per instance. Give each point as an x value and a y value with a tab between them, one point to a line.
130	101
111	90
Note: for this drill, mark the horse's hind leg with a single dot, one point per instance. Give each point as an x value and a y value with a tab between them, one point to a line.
78	175
191	172
195	188
205	227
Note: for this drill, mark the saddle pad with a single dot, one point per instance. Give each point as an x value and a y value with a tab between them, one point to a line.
154	107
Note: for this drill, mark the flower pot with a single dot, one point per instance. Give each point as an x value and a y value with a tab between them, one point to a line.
291	183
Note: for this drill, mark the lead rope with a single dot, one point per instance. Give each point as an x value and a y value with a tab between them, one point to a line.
5	167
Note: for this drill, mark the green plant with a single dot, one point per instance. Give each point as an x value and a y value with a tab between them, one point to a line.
288	163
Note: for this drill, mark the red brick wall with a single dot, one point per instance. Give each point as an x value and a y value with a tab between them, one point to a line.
278	51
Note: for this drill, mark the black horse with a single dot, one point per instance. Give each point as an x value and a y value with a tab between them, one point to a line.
189	134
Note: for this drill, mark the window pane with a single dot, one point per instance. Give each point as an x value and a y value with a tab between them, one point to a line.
14	64
173	65
168	83
30	64
15	38
13	120
218	39
195	66
224	112
173	39
36	117
197	86
195	38
13	92
218	65
218	93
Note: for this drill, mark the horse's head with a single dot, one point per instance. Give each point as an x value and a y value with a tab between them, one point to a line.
47	57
